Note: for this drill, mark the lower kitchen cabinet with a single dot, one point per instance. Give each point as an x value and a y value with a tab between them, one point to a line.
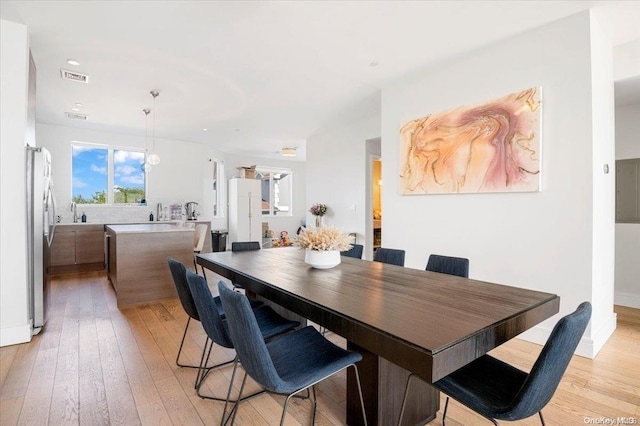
77	248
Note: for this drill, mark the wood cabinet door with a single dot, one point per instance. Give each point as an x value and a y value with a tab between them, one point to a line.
89	247
63	249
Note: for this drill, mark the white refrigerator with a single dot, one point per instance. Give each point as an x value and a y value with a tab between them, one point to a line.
41	223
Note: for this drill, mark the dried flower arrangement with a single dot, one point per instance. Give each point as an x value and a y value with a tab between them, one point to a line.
323	239
318	209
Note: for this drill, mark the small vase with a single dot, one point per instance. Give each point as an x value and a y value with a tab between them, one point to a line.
318	221
322	259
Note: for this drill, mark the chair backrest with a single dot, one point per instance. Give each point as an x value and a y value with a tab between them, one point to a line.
355	251
248	340
551	364
199	237
245	246
391	256
211	321
179	274
448	265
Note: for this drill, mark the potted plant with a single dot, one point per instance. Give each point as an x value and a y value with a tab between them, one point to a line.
322	246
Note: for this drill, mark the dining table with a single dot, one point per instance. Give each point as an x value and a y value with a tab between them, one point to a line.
402	320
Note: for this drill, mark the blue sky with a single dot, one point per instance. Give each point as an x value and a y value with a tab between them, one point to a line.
90	168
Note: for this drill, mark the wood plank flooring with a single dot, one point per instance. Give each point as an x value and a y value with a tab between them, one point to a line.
97	365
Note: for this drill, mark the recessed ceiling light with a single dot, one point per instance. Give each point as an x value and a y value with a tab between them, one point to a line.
78	104
205	129
75	109
373	64
73	62
237	130
288	152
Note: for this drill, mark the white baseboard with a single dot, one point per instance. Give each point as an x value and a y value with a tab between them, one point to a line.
588	347
15	335
631	300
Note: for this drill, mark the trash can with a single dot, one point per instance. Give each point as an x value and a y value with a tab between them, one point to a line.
219	240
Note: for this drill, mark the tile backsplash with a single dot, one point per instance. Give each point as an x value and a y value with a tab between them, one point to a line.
108	214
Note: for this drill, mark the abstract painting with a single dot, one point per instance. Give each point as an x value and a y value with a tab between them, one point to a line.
488	147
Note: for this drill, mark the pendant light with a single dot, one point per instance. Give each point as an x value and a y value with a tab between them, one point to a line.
153	158
146	167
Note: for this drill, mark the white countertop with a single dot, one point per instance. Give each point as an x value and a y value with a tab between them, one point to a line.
139	228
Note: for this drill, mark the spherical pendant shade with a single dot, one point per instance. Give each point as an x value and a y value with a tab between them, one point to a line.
153	159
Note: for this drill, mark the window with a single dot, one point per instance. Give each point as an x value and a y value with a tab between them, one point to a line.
277	191
217	174
104	175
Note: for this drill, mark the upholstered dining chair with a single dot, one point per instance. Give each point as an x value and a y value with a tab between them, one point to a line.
498	391
245	246
448	265
391	256
199	237
270	324
355	251
179	274
287	365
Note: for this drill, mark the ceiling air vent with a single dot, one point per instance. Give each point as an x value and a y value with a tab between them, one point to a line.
76	116
74	76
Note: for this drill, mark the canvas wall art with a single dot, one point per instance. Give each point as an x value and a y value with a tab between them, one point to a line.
489	147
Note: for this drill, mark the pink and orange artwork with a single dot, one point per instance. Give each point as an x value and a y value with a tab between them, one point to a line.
489	147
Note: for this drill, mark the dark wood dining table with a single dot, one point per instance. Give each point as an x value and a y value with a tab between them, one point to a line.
401	320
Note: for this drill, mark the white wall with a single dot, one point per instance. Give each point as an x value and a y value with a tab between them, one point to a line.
299	168
627	275
338	172
603	206
542	240
627	60
182	175
14	69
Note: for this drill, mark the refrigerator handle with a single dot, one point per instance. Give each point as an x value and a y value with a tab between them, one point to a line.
51	215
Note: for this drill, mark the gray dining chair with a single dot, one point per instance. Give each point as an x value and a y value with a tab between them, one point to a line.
179	275
239	246
355	251
458	266
498	391
390	256
287	365
245	246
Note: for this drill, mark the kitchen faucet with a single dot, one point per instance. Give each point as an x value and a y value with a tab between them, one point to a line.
74	209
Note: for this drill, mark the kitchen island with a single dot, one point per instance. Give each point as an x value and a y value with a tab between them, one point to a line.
137	260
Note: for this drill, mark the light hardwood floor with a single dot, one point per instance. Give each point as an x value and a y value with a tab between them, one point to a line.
95	364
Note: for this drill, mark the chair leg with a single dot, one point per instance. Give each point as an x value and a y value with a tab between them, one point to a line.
234	410
444	415
226	402
186	328
404	399
541	418
284	409
364	412
315	404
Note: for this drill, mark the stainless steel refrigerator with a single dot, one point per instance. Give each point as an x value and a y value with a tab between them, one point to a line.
41	223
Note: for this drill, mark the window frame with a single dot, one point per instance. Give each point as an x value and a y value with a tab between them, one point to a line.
272	171
219	181
110	172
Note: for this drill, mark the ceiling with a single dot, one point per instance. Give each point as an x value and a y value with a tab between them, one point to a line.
259	76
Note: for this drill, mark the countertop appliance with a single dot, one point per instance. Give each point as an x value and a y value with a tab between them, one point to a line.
41	223
190	207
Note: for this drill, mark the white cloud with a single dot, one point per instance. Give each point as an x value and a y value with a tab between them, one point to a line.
126	170
135	179
99	169
124	156
79	149
78	183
